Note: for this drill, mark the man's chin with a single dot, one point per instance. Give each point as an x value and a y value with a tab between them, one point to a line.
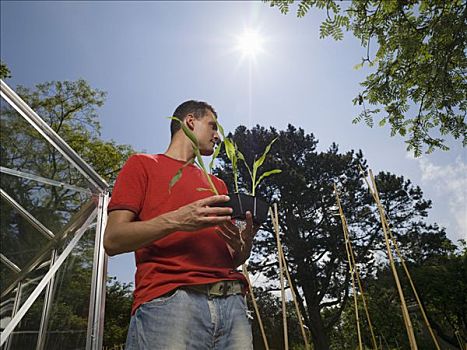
206	153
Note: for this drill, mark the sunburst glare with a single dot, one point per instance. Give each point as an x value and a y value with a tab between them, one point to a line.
250	44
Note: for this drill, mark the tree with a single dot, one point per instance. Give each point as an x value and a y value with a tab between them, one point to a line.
312	232
4	71
70	109
118	303
270	310
440	280
420	79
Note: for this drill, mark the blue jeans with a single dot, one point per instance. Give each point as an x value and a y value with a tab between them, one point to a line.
190	320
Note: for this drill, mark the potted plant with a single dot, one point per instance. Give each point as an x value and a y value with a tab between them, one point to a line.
239	202
243	202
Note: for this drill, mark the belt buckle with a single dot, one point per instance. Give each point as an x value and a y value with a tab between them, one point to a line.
217	288
224	286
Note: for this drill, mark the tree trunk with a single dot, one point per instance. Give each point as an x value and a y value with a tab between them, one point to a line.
318	333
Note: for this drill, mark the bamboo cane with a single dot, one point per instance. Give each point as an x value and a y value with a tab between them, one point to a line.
406	270
255	306
352	272
462	344
294	297
352	256
297	308
360	286
281	278
422	310
405	312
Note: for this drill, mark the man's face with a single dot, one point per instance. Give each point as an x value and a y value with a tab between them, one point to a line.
205	130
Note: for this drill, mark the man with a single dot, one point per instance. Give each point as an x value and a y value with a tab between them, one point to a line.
188	294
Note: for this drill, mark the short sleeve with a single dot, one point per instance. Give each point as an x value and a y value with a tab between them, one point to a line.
130	187
220	185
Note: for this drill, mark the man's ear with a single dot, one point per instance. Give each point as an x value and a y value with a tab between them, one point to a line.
190	121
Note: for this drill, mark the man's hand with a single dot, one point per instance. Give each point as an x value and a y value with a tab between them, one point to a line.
200	214
238	242
125	234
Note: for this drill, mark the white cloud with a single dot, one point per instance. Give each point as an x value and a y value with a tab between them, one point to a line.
450	183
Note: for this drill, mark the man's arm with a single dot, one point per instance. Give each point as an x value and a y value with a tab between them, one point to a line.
123	234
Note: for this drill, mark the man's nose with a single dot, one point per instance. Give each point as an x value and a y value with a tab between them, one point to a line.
217	139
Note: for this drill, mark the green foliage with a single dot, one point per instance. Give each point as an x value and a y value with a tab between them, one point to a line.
270	309
4	71
118	303
419	85
283	5
233	154
441	285
198	159
214	156
178	174
70	109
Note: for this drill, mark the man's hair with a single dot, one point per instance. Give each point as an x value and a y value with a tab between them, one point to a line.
197	108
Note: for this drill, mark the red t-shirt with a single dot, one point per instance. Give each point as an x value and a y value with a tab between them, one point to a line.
181	258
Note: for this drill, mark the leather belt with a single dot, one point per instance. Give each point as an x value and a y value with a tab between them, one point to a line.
218	289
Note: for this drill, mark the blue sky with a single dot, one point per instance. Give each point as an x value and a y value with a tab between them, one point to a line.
151	56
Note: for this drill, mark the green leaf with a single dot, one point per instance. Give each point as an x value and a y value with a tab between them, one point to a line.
187	132
261	159
214	156
268	173
221	129
358	66
200	161
200	189
229	149
175	179
178	174
242	158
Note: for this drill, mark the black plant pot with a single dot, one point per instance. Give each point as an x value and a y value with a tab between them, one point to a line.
241	203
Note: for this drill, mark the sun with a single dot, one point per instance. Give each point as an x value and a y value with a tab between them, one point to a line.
250	43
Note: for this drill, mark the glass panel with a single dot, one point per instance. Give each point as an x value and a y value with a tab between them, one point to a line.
20	241
68	321
24	149
29	283
25	334
39	179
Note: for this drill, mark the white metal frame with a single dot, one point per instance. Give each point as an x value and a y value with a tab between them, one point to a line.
45	280
78	226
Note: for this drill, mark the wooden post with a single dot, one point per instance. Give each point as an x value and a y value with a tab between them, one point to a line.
405	312
281	277
255	306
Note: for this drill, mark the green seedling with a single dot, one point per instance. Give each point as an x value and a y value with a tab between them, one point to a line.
256	165
198	160
234	155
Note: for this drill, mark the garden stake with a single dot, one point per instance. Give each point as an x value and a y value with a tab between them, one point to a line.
353	265
281	276
422	310
255	306
289	279
462	345
352	272
294	297
394	242
405	312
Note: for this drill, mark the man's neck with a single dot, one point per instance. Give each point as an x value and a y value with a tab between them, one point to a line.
180	150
